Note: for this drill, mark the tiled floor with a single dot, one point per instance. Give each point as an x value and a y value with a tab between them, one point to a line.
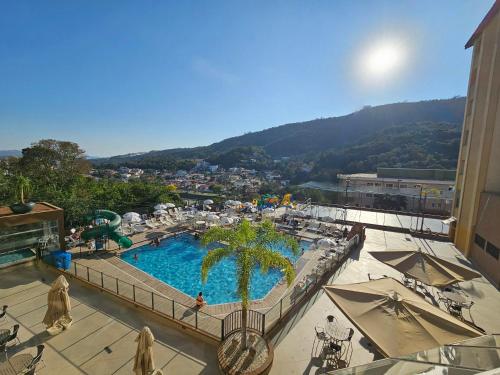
99	322
296	350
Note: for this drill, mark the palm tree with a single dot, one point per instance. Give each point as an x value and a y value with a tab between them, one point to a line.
23	186
251	246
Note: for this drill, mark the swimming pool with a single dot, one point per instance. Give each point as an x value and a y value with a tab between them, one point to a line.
16	256
177	262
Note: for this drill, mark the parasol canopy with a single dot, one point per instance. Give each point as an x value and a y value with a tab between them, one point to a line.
397	320
424	267
58	312
143	360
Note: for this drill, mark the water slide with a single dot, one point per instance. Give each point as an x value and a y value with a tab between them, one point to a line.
111	229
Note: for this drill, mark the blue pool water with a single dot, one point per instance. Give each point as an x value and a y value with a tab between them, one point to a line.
15	256
177	262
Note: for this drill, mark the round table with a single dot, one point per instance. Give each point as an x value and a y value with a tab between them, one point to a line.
21	361
335	330
455	297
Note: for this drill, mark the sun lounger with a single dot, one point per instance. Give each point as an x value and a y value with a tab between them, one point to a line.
138	228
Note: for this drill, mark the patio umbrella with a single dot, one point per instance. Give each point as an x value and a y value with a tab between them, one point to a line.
160	212
169	205
143	361
424	267
58	315
326	242
132	217
395	319
160	206
208	202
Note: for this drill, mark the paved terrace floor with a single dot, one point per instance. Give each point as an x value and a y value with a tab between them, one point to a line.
295	349
100	321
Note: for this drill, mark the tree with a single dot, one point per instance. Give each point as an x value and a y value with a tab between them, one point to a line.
23	186
252	247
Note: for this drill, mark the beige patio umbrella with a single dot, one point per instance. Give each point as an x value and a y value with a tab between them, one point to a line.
143	361
397	320
58	315
424	267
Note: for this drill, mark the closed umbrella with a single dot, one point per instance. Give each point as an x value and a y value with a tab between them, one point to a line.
424	267
144	361
397	320
58	312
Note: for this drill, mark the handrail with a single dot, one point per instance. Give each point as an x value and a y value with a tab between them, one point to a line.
159	303
191	316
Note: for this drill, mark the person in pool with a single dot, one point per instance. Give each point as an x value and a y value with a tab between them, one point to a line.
200	302
136	257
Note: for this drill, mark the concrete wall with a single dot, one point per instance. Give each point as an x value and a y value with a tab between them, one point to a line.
479	160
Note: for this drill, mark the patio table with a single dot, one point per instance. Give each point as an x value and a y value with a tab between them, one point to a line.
454	297
20	362
335	330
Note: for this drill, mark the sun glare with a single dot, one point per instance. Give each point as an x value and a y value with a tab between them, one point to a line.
382	59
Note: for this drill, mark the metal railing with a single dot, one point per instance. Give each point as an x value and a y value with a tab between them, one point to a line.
204	323
298	294
189	316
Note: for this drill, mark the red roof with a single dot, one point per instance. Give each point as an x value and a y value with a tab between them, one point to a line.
486	20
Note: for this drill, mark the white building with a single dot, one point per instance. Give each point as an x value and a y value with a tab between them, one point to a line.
411	189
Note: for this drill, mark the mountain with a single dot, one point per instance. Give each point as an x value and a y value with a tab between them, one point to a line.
311	138
8	153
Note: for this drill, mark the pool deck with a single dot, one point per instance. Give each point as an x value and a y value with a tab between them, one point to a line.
296	351
110	263
102	320
101	339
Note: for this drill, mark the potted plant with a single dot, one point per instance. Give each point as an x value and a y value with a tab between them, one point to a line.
23	186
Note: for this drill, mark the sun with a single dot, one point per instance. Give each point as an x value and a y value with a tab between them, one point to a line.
383	59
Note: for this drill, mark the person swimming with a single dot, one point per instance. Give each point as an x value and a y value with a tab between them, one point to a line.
136	257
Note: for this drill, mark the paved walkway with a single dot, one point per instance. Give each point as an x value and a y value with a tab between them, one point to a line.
101	339
297	352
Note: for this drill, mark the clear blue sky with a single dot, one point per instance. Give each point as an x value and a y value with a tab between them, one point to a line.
126	76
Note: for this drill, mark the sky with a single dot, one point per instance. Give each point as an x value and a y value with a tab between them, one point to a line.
122	76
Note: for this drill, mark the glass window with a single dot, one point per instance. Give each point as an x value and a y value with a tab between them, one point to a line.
369	184
492	250
479	241
389	185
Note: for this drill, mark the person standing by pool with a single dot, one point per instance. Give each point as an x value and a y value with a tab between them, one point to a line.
200	301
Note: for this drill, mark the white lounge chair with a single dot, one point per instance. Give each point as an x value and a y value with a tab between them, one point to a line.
138	228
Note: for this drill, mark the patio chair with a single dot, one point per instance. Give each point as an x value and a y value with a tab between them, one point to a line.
321	336
26	364
138	228
3	314
12	338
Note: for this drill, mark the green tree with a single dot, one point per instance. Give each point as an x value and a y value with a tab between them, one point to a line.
252	247
23	185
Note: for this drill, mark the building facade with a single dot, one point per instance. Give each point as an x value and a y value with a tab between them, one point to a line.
477	198
405	189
